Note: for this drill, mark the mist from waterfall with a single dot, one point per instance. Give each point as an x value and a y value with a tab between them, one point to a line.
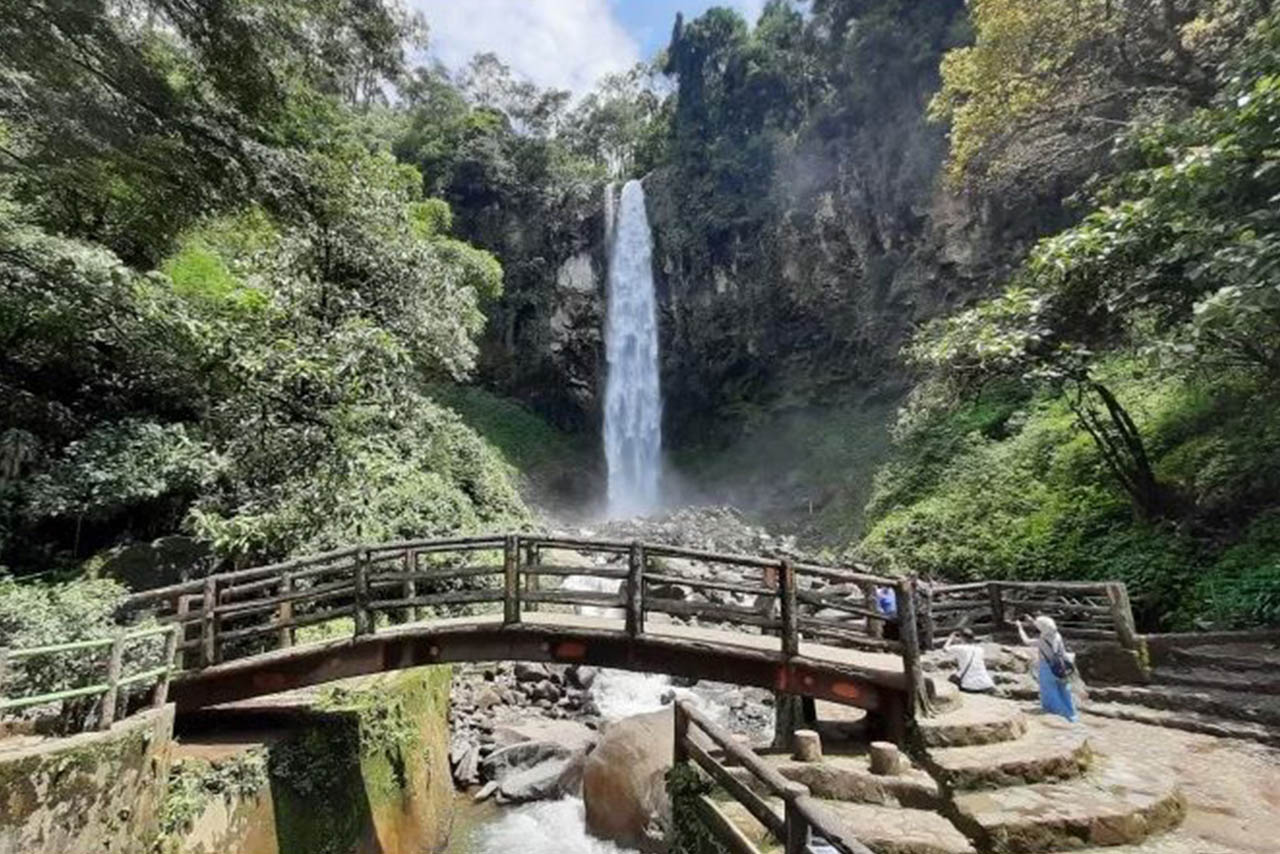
633	401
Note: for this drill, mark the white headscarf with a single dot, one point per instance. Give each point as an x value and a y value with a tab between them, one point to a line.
1050	641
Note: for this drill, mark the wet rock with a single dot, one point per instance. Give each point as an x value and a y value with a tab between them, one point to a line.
623	783
467	771
582	676
529	672
665	591
540	782
488	697
549	691
520	757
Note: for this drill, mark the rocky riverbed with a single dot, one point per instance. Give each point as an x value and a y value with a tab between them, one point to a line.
522	731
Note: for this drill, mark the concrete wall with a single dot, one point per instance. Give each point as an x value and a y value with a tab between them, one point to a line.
95	793
357	767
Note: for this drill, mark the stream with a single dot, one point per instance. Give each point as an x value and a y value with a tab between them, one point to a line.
558	827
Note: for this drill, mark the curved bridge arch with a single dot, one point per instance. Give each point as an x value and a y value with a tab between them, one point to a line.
869	681
758	620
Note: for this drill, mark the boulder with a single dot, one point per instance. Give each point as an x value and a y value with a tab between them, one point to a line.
529	672
541	782
520	757
582	676
624	782
572	736
488	697
550	780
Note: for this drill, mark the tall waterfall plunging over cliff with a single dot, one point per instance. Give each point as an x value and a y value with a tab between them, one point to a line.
633	402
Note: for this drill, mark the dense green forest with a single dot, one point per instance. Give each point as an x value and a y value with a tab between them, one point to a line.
994	287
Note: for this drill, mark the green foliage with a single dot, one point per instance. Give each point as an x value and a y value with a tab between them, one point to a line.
1040	94
35	614
526	441
119	465
195	783
263	386
689	833
1012	487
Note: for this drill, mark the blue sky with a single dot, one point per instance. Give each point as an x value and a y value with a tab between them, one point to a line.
568	44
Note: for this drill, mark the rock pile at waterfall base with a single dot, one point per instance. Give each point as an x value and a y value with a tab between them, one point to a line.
711	528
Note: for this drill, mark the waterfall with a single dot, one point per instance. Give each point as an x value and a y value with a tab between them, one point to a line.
633	404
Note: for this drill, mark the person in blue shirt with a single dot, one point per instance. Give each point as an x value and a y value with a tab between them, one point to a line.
887	604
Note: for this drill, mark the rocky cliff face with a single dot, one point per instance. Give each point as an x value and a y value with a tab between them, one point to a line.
544	343
862	246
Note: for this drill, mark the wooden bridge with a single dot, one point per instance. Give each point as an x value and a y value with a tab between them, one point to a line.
794	627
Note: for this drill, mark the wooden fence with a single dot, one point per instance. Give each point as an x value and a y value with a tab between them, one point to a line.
115	679
1082	609
802	817
234	614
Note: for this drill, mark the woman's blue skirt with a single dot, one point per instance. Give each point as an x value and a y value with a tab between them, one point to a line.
1055	694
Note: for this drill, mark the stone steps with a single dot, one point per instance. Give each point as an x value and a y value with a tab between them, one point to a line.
980	719
1234	657
1251	681
883	829
1188	721
1231	705
1051	750
893	830
1166	843
1117	803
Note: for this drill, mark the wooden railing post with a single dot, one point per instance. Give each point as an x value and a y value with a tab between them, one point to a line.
108	715
209	623
1122	614
410	588
533	557
681	733
284	613
360	600
926	616
635	589
181	609
917	700
996	598
797	826
511	578
161	695
787	599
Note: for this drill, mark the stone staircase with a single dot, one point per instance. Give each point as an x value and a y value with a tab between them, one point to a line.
1017	783
1230	690
991	777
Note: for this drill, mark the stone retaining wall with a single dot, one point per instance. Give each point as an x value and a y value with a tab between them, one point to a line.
94	793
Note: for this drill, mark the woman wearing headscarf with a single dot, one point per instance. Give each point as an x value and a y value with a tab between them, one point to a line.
1054	668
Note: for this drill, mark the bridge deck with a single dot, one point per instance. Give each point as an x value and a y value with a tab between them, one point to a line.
867	679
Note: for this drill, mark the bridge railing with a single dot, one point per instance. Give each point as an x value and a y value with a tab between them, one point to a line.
1082	609
115	683
802	817
229	615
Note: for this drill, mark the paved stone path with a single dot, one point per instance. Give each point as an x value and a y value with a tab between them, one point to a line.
1232	787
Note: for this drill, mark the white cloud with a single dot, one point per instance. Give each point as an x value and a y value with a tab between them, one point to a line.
566	44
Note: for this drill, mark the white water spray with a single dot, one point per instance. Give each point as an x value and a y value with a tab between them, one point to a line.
633	403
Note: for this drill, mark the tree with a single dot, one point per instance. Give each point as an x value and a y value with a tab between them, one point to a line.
1035	103
1178	262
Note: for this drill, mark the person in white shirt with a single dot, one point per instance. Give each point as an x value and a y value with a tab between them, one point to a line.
971	665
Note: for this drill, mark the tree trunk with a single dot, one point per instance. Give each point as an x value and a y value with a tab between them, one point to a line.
1122	448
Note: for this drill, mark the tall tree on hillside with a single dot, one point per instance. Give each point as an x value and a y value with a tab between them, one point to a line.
1037	101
